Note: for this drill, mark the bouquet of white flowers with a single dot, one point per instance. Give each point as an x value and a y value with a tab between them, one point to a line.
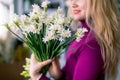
46	35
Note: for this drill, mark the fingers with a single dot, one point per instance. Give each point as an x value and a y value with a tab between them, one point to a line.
40	64
54	69
44	63
33	60
56	61
36	66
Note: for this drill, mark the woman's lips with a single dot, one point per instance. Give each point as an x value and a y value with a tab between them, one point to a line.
76	11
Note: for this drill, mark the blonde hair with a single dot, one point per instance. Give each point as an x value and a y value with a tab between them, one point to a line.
102	18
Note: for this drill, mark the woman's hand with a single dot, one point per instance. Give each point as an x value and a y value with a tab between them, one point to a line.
54	69
36	66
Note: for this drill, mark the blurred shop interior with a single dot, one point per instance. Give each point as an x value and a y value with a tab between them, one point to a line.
12	51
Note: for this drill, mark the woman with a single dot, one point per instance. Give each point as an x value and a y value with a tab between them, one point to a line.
97	52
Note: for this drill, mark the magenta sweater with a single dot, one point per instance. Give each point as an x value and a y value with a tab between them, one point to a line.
83	59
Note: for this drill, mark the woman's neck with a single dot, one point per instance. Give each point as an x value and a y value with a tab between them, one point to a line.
84	24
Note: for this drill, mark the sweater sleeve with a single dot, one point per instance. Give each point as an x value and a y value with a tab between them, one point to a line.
89	63
44	78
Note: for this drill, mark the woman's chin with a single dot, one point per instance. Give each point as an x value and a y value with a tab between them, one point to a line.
78	18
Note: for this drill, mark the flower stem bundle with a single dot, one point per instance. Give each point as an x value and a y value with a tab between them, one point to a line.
46	35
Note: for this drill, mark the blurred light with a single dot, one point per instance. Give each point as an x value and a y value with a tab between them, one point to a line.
3	19
6	1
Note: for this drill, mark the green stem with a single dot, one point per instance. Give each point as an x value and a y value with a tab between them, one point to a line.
55	51
16	35
45	69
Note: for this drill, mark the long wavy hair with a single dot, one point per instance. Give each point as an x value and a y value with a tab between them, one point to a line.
103	18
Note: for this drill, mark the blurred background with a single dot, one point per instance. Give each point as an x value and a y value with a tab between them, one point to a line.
12	51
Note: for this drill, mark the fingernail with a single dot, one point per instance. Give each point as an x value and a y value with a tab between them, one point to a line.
50	60
53	59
